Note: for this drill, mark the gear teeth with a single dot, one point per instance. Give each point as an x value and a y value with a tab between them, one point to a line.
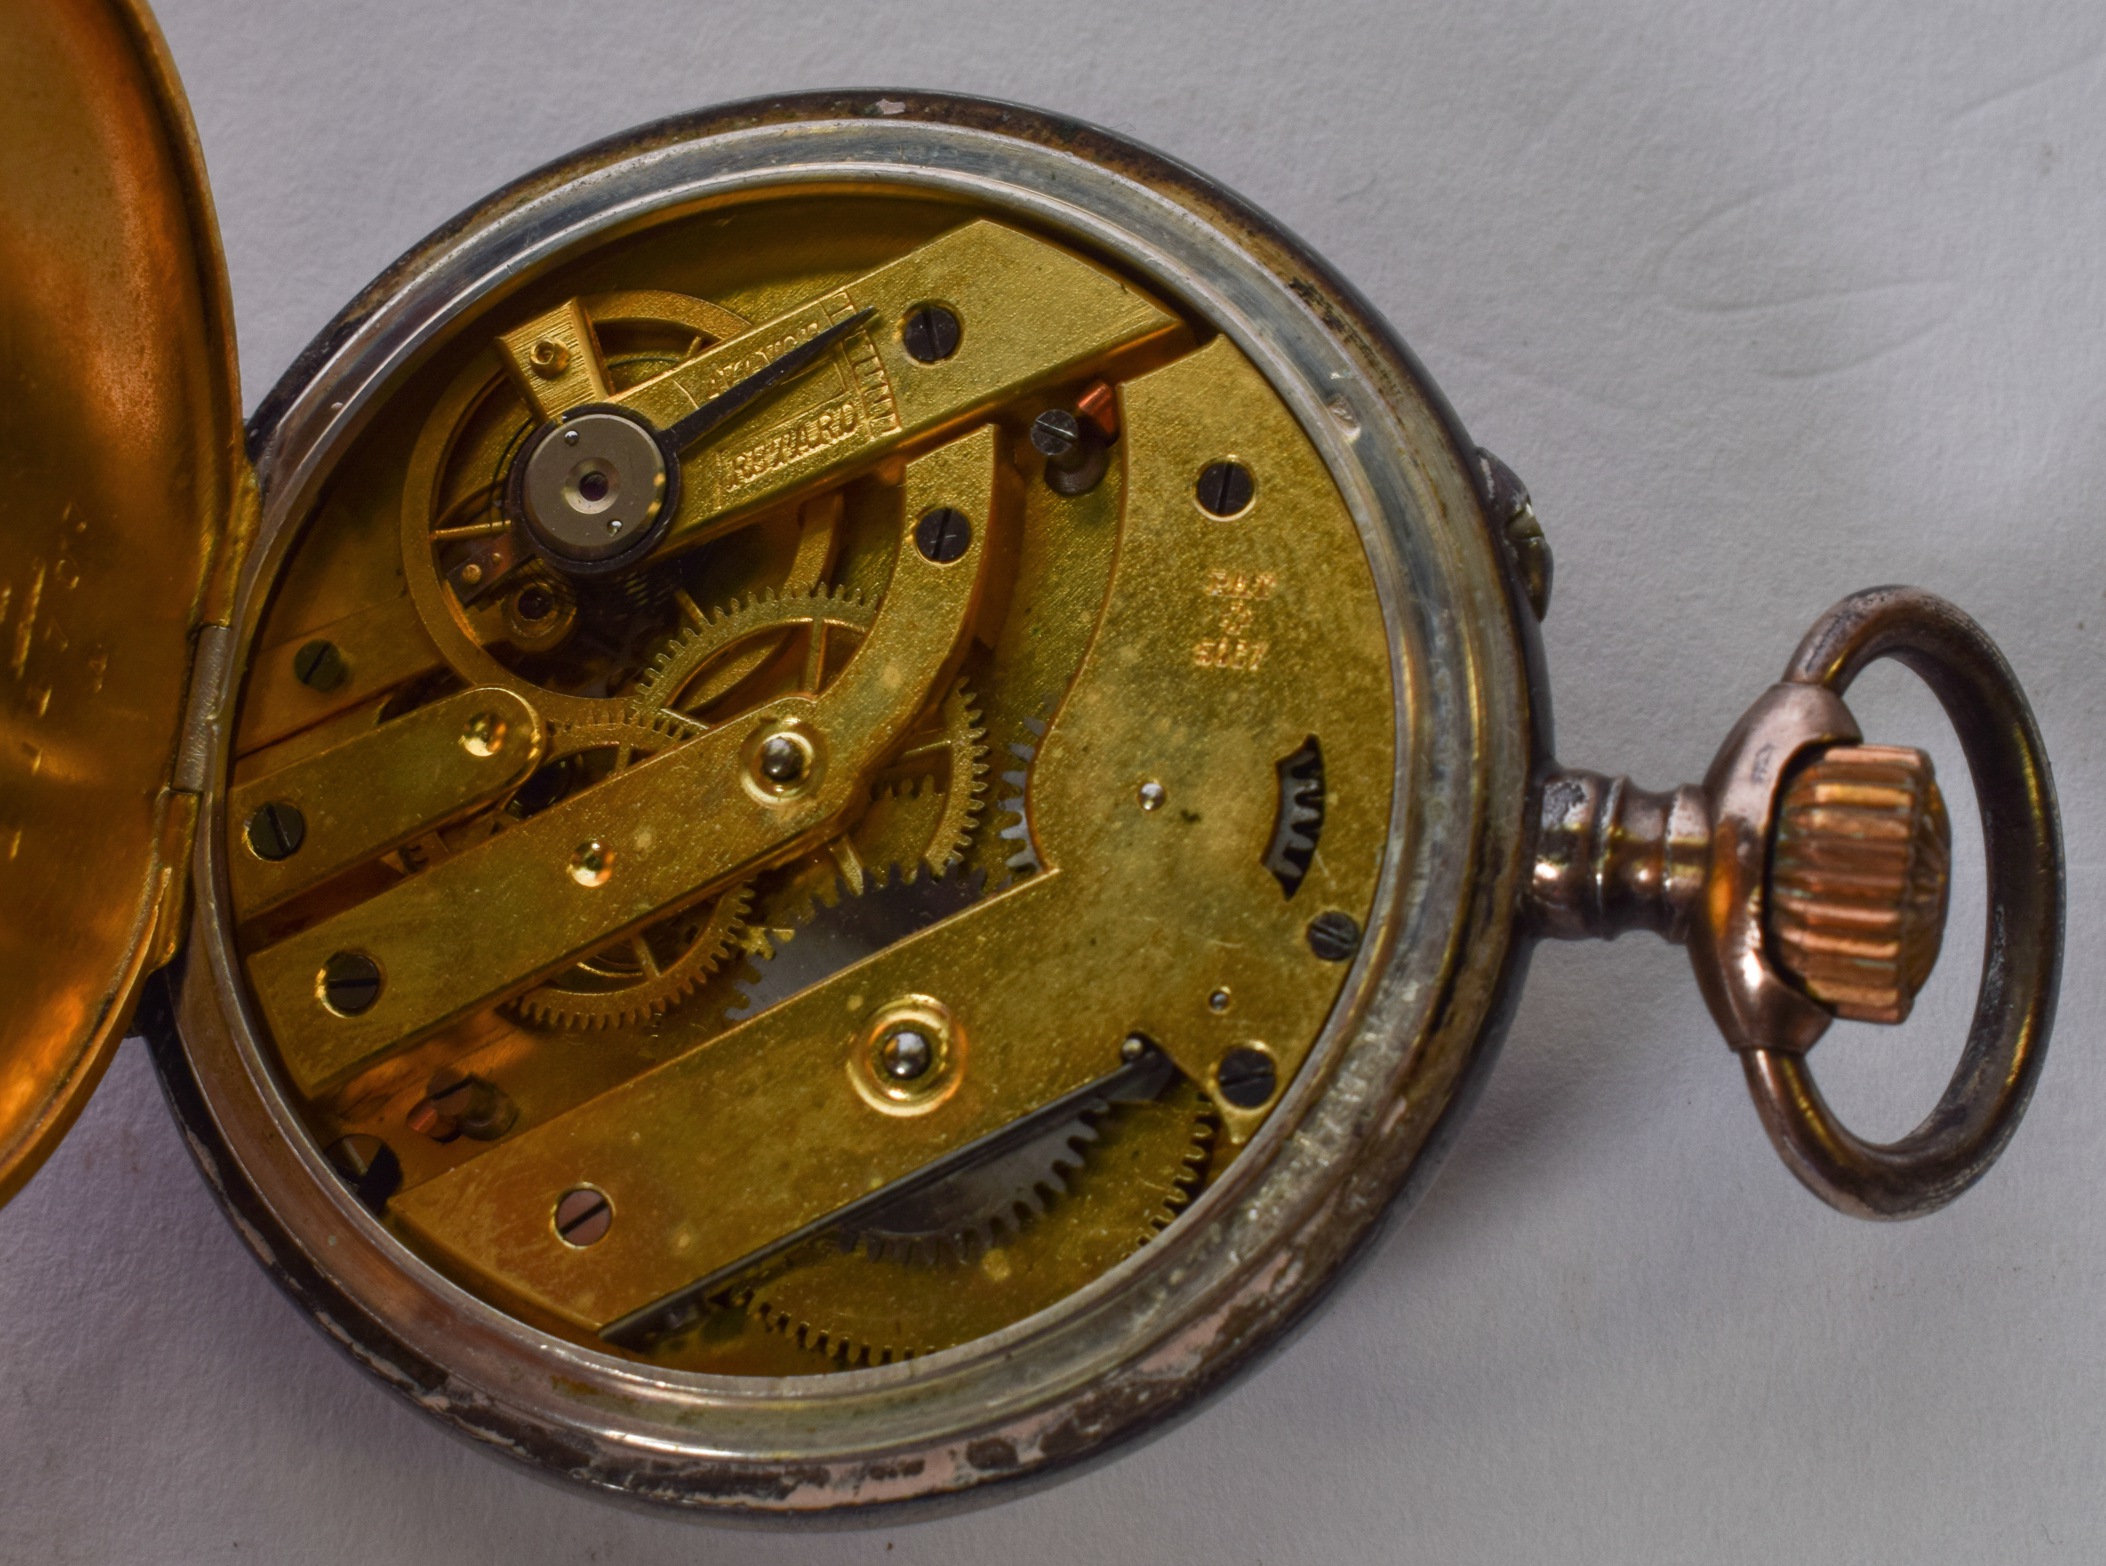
1002	1217
618	1004
594	1012
909	791
1023	859
697	644
569	737
1192	1171
965	784
795	1305
851	1353
1299	824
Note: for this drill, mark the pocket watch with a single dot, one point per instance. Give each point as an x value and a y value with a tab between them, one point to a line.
826	806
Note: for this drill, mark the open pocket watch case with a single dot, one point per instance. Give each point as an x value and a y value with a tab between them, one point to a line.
830	802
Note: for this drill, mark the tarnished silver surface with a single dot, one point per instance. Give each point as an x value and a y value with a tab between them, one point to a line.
1422	1007
1700	866
1975	1117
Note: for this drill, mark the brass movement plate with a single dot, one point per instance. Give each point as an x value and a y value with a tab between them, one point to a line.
897	897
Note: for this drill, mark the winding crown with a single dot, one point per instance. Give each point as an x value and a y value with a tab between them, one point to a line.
1859	867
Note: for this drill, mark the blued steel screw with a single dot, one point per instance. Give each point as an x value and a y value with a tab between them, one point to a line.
930	333
1057	434
350	983
319	666
1074	449
943	535
276	831
1224	488
1334	936
1246	1077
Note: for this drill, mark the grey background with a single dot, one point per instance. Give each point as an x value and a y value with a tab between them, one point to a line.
1766	302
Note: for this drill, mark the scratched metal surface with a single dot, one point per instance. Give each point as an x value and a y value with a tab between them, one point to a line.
1765	303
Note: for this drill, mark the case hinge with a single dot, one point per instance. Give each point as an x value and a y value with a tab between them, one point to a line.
223	575
202	716
197	741
195	748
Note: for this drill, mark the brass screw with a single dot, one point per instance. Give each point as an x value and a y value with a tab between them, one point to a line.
455	1104
1057	434
368	1166
549	358
427	1119
1074	449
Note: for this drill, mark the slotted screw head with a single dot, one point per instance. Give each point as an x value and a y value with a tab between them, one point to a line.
1056	433
1224	488
319	665
349	983
930	334
943	535
583	1216
1247	1077
276	831
1334	936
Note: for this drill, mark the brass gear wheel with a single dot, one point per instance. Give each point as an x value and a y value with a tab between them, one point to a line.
958	740
923	811
498	617
881	1292
696	668
644	974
